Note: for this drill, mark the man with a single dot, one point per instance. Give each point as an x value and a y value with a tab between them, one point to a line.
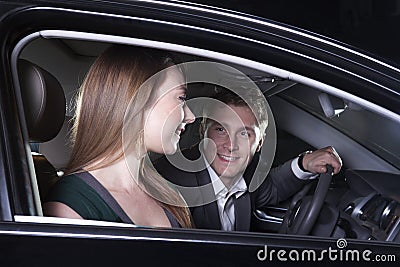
232	135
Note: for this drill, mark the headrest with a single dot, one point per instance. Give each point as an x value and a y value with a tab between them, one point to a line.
44	101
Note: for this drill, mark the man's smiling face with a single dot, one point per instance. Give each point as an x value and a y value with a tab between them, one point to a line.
235	132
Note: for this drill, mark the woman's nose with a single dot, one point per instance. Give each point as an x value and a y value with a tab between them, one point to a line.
189	116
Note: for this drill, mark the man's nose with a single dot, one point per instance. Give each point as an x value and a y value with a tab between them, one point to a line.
231	143
189	116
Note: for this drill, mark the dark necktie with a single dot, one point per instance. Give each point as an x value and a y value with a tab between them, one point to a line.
228	217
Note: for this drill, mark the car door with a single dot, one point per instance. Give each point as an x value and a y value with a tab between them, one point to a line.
194	30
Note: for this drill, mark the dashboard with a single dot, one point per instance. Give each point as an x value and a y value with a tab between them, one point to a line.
375	203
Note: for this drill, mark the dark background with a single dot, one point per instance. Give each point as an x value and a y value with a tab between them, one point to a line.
372	25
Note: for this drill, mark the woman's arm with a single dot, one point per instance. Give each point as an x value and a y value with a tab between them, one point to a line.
58	209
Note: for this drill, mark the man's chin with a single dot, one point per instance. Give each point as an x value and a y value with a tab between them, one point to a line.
232	175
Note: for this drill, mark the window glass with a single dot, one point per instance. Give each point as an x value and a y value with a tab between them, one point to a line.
372	131
377	133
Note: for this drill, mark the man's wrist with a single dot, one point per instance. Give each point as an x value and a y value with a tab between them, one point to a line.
299	173
300	160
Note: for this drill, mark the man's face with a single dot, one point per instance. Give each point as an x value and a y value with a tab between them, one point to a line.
235	132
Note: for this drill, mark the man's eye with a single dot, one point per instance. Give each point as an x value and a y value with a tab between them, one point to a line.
245	134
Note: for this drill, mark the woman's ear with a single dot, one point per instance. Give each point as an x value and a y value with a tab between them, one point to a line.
202	128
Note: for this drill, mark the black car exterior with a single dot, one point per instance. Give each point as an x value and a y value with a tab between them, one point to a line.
245	36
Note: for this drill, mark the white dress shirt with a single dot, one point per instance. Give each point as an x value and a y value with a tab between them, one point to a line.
223	194
302	175
239	188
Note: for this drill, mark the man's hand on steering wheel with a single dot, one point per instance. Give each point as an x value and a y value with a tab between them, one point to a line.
316	161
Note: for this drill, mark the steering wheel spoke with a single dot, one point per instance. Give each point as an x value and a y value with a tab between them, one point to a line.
303	211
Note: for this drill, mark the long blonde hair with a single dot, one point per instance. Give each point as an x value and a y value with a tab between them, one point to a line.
106	93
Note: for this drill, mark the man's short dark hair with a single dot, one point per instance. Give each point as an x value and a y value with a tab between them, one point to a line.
251	98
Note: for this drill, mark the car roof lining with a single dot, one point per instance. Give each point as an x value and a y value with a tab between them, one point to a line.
269	84
211	55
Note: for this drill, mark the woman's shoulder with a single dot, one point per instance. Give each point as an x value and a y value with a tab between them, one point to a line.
172	220
69	187
72	178
81	197
70	183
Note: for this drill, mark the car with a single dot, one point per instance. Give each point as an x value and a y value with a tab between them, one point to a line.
320	92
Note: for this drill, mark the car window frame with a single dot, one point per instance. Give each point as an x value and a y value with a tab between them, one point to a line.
49	34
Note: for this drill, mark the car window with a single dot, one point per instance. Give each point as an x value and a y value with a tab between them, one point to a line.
376	132
301	117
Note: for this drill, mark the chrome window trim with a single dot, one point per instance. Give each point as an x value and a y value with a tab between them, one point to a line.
68	221
31	168
113	235
59	220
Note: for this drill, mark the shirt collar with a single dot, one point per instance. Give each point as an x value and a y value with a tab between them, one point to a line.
220	190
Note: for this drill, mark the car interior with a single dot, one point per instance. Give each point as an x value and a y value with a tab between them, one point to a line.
361	202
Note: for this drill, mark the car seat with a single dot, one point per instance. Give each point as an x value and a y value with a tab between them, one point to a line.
44	107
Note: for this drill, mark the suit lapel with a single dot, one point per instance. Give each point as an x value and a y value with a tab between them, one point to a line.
209	212
205	216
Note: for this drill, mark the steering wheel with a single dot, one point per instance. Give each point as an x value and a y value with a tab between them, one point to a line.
303	210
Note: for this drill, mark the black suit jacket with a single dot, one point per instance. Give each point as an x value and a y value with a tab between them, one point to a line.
280	184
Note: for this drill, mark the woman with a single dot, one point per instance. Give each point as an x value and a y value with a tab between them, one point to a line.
127	97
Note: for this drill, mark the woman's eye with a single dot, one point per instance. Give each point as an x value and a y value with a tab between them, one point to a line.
220	130
182	98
